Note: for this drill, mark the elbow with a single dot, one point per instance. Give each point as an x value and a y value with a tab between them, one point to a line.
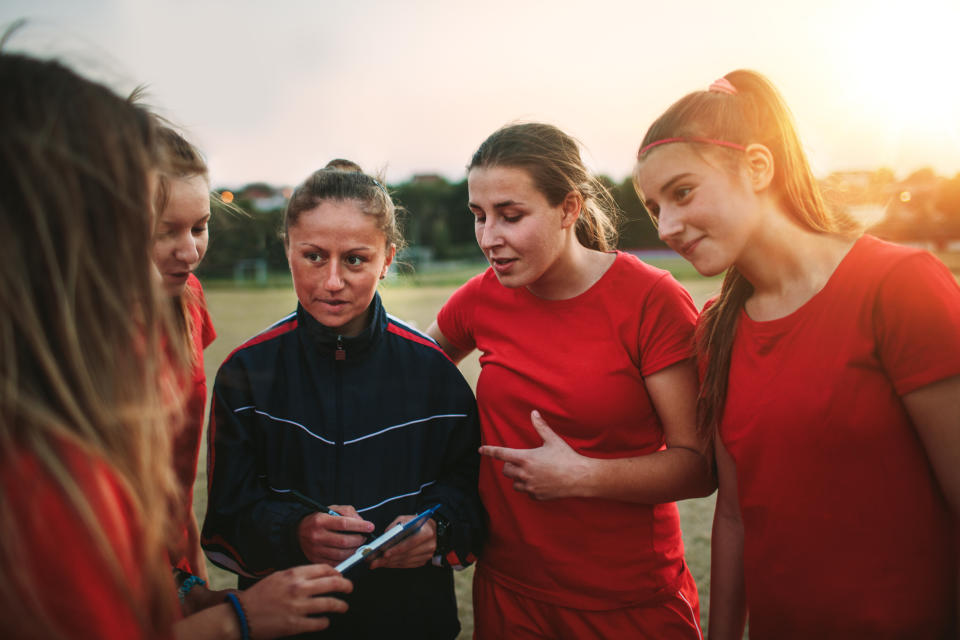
708	486
702	485
702	481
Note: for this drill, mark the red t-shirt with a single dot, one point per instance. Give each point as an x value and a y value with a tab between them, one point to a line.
79	597
580	363
187	436
846	533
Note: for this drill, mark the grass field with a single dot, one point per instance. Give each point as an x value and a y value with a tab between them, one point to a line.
240	313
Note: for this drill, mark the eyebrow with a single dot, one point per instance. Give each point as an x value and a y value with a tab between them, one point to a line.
496	205
306	244
669	183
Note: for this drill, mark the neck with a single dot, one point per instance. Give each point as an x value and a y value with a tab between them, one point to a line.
575	270
788	264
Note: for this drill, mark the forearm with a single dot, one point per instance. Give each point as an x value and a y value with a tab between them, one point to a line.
728	608
216	622
675	473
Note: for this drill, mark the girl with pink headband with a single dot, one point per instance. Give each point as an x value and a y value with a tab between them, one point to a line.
830	367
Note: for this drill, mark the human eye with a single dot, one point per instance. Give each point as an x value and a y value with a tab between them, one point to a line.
355	260
313	256
199	229
682	193
478	216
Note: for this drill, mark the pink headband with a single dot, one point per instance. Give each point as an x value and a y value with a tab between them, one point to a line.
722	143
719	86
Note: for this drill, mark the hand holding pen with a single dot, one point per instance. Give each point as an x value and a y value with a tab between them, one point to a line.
333	533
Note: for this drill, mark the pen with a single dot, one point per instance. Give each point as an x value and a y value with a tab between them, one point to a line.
310	502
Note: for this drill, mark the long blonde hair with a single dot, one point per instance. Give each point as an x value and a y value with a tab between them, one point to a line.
81	320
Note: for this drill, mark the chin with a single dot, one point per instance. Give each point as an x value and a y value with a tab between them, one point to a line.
174	290
709	270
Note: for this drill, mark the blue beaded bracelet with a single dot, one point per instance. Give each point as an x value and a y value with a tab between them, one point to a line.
241	616
188	584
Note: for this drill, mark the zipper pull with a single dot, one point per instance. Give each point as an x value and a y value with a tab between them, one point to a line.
340	354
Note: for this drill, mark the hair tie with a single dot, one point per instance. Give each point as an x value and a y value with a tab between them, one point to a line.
241	616
720	143
722	85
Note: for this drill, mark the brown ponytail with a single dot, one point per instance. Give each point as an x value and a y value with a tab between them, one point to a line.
754	112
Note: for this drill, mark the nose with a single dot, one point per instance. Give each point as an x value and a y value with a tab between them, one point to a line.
334	278
187	250
669	225
488	234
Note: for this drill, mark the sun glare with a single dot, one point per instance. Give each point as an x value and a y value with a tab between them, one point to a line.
900	75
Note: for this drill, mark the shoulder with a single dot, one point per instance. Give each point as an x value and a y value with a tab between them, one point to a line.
888	268
268	339
630	271
882	257
633	279
417	340
484	283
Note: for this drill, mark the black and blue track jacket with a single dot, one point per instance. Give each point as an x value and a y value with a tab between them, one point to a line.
384	422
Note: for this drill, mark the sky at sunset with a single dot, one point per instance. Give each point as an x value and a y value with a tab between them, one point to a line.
272	90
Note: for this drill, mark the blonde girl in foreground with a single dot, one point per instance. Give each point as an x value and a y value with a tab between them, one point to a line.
85	471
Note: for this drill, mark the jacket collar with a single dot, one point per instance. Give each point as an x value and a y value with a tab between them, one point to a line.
328	341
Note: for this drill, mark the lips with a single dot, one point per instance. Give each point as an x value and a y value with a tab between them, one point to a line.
333	303
688	247
502	265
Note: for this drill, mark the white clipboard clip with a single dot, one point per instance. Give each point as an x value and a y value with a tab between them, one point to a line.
373	549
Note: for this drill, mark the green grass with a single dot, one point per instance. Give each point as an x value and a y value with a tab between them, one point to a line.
240	313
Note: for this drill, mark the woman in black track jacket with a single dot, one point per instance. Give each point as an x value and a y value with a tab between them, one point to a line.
341	404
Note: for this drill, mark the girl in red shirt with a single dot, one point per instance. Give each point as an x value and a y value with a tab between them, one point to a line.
180	242
831	374
586	397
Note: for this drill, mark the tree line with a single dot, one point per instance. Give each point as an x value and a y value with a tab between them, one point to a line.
924	207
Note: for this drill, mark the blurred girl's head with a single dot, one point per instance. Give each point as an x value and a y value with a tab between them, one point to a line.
80	318
183	212
341	234
552	160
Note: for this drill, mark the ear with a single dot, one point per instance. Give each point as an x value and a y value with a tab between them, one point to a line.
572	205
391	252
760	166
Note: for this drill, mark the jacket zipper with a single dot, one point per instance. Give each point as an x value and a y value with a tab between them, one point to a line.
340	356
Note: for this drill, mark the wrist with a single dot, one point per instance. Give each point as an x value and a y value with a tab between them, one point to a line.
185	584
240	615
444	534
583	479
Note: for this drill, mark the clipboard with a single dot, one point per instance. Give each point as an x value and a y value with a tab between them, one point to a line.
368	552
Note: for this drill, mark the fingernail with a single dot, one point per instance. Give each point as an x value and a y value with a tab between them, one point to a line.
535	413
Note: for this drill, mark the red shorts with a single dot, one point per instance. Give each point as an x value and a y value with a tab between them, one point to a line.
499	613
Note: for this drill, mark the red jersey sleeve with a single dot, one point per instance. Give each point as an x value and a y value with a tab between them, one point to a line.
666	326
456	316
917	320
